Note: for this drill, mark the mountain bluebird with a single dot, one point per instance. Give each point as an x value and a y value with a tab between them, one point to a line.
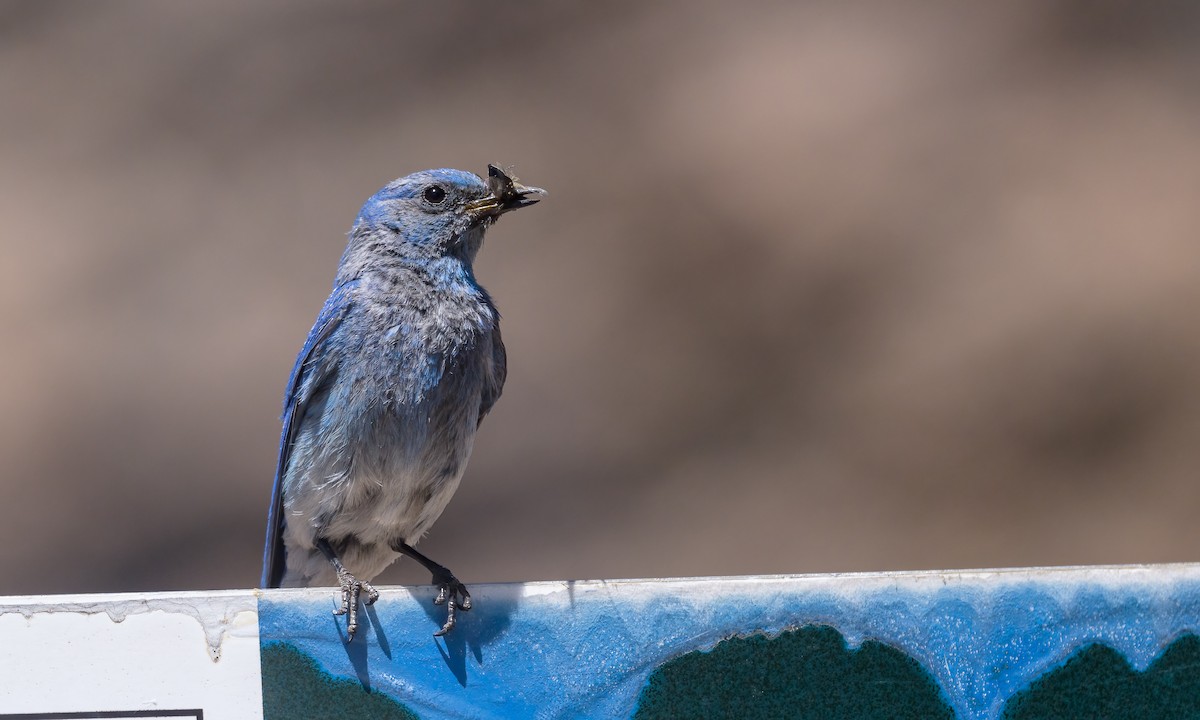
404	361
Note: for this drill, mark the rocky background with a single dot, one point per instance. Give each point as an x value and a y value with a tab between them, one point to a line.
819	286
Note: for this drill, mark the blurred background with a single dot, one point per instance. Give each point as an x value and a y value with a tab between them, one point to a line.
819	287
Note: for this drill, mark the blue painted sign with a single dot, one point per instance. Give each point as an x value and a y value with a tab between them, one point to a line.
1071	642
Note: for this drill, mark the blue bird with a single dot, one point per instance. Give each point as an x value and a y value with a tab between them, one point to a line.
402	365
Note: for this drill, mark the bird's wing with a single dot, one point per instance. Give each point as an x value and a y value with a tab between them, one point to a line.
307	375
493	384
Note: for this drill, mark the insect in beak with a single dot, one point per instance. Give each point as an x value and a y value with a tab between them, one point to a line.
506	194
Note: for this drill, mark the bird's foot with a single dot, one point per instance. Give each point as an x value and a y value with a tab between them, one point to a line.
352	588
453	594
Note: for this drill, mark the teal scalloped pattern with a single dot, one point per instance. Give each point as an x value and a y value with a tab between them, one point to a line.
812	673
805	673
1098	682
294	686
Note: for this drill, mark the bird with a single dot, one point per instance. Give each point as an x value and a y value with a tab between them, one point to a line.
402	364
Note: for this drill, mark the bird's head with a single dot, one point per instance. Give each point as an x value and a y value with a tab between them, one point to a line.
442	212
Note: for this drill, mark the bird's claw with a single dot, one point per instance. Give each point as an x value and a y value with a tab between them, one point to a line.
453	594
352	588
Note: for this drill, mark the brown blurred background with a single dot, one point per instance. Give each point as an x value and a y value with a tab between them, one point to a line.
819	287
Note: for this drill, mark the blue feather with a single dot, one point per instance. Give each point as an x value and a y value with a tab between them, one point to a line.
332	312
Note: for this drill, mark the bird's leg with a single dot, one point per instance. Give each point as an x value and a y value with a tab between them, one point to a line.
451	592
351	588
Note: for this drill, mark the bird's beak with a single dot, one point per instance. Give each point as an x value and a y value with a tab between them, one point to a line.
506	194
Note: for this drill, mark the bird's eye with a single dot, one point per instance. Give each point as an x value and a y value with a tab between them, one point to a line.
435	194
